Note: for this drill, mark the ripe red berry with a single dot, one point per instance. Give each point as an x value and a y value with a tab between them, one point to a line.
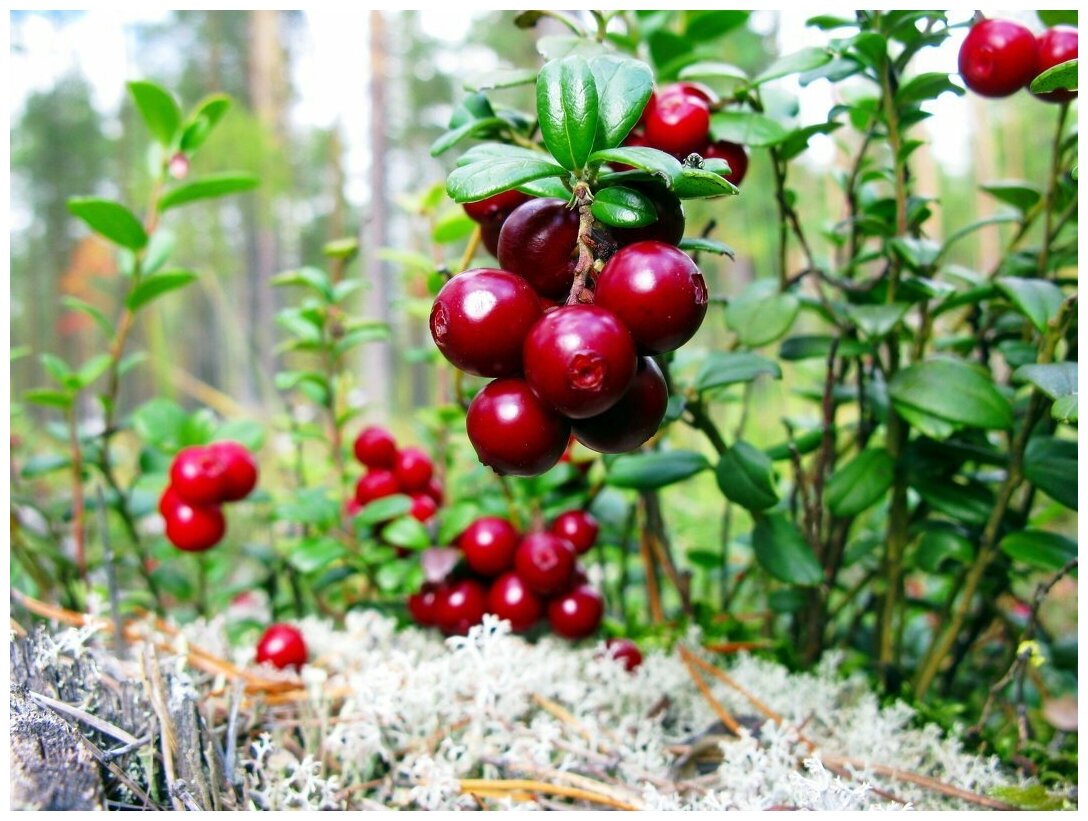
624	651
282	646
496	207
678	121
413	469
241	469
480	318
998	58
545	562
434	490
194	527
489	544
579	359
657	292
733	154
669	226
375	447
578	527
633	419
510	598
375	484
1054	47
512	431
459	605
576	613
169	501
423	603
198	476
423	507
539	242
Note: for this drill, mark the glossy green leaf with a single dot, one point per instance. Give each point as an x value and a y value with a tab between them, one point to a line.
156	285
205	117
663	165
1058	380
159	110
952	391
746	476
720	369
816	346
452	226
78	305
702	183
1058	17
747	128
500	78
783	552
487	177
159	422
876	321
712	70
57	368
308	276
465	131
655	469
1039	549
48	397
550	187
315	553
694	245
406	532
623	87
384	509
567	110
1037	299
44	464
937	548
804	60
1022	196
860	483
1060	77
110	219
927	86
970	502
1065	409
454	519
94	368
208	187
1051	465
710	24
247	432
623	207
761	314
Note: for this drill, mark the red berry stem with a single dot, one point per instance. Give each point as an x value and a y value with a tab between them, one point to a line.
579	292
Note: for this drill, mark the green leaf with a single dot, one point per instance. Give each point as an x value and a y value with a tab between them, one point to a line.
1051	465
159	110
663	165
384	509
452	226
1036	796
706	559
156	285
926	86
876	321
871	49
860	483
783	552
160	422
246	432
205	117
710	70
1039	549
1068	17
918	254
94	368
710	24
702	183
212	185
499	78
952	391
48	397
464	131
804	60
309	276
623	207
1057	78
160	246
623	87
406	532
487	177
655	469
721	369
693	245
45	463
549	187
969	501
747	128
57	368
313	554
761	314
76	304
1037	299
818	347
746	476
1058	380
567	110
453	521
1022	196
110	219
938	547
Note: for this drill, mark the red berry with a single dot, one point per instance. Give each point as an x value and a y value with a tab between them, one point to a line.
241	469
169	501
352	507
282	646
699	90
998	58
194	527
480	318
624	651
657	292
423	507
375	447
375	484
633	419
489	236
733	154
413	470
512	431
545	562
422	604
576	613
579	359
496	207
578	527
678	122
510	598
199	476
489	544
539	241
434	490
460	605
669	226
1055	46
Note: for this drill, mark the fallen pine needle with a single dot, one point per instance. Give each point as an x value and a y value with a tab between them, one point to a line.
502	788
722	713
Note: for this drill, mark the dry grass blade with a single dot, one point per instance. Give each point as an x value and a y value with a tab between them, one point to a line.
511	787
723	714
616	792
103	726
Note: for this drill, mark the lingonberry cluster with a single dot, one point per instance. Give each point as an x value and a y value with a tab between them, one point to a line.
524	578
1000	57
202	478
282	646
390	470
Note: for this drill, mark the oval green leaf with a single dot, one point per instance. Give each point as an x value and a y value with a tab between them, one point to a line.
159	110
156	285
110	219
648	471
860	483
1051	465
746	476
1037	299
1039	549
623	207
488	177
567	110
213	185
747	128
721	369
783	552
623	87
952	391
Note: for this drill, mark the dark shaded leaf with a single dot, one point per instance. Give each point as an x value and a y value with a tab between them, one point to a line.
722	369
745	476
952	391
1039	549
655	469
1051	465
783	552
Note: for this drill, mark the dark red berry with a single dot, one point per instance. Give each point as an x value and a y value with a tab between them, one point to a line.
545	562
624	651
510	598
496	207
1055	46
413	469
489	236
375	484
578	527
579	359
678	122
434	490
657	292
480	318
579	576
577	613
194	527
198	476
423	507
460	605
423	603
733	154
241	469
539	242
375	447
489	544
669	226
512	431
282	646
998	58
633	419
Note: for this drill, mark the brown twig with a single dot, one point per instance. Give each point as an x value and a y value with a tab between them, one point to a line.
522	788
723	714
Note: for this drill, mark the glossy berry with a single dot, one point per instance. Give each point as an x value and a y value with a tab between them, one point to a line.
413	469
282	646
375	484
434	490
512	431
578	527
198	476
539	242
545	562
998	58
577	613
669	225
423	603
1054	47
657	292
677	122
496	207
510	598
489	544
460	605
169	501
624	651
733	154
194	527
423	507
241	469
480	318
579	359
375	447
633	419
